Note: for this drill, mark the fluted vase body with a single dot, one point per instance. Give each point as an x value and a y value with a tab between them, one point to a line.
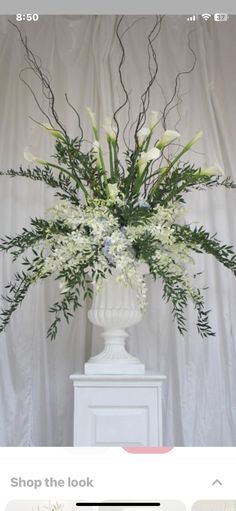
114	308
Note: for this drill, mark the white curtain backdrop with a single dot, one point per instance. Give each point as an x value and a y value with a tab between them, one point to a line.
82	55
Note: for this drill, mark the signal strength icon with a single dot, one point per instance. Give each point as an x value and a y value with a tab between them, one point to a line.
206	16
192	18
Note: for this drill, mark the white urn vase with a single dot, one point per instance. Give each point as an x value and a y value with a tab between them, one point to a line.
115	308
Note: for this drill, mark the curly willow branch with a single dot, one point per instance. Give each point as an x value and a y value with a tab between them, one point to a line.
145	97
167	110
78	117
119	37
35	65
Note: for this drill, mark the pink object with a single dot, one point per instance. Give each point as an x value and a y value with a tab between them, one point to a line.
148	450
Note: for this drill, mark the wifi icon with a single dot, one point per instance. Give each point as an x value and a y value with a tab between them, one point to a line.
206	16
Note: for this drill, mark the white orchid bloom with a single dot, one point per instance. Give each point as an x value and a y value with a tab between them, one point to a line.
113	191
31	158
155	115
168	137
213	170
109	129
145	157
142	135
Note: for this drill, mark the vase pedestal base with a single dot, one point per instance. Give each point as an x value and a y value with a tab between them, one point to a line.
114	358
114	368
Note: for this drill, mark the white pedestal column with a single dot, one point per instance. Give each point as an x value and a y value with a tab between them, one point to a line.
112	410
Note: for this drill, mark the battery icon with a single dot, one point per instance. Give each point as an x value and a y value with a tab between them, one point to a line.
220	16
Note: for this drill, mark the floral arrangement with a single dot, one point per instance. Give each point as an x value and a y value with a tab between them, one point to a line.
115	215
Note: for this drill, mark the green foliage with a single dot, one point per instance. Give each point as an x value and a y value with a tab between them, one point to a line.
173	289
65	189
201	241
18	244
81	178
171	186
17	290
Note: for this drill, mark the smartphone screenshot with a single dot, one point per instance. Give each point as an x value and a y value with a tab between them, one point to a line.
117	257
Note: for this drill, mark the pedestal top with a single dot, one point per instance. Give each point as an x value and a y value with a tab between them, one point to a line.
148	378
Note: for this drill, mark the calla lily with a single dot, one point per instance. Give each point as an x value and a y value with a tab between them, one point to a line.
30	157
153	154
109	129
186	148
154	119
92	117
145	157
142	135
194	140
93	122
52	131
168	137
214	170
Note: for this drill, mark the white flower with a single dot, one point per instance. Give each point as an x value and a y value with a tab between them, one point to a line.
92	117
150	155
142	203
154	119
168	137
30	157
113	191
187	147
142	135
52	131
194	140
109	129
214	170
197	136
